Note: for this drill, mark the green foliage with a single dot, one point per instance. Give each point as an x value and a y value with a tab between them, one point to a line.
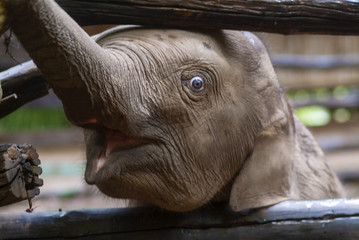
341	115
34	119
302	96
322	94
313	116
340	92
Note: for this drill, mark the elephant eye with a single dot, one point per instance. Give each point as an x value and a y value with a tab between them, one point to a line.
197	84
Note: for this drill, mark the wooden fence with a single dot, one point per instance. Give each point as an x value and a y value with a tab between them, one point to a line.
328	219
280	16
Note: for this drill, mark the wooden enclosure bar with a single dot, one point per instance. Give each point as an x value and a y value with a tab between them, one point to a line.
280	16
21	84
327	219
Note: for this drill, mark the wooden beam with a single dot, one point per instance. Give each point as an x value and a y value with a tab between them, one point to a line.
280	16
327	219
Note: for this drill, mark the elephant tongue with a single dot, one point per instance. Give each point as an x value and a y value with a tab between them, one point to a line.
117	139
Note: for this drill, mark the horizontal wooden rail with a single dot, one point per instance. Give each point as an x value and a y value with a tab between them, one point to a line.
327	219
279	16
315	62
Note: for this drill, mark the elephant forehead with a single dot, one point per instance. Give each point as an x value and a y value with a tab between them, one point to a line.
220	48
173	43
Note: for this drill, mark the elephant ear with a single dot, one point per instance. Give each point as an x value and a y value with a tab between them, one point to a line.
266	176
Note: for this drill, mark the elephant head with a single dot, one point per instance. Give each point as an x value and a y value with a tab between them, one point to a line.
173	118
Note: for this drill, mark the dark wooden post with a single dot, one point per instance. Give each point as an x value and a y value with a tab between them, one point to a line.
19	173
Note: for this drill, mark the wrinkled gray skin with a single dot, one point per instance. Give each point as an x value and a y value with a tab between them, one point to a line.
153	136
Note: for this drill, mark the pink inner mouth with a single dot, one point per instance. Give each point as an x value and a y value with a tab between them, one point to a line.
119	141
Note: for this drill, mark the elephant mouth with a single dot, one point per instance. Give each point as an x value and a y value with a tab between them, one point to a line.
116	142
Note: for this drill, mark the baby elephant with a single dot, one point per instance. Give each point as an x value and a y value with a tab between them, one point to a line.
176	118
203	118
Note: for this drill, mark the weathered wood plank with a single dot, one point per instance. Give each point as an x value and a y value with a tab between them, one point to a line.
21	84
281	16
328	219
19	173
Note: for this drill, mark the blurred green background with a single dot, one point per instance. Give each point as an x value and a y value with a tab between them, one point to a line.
34	119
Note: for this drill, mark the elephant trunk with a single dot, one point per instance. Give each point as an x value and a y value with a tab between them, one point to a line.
74	65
